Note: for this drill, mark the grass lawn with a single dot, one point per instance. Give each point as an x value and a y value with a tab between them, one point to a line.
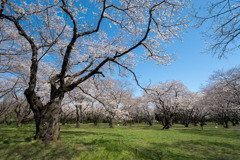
136	142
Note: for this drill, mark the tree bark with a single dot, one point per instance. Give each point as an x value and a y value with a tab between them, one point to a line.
78	116
19	123
47	122
5	119
167	123
225	124
124	123
111	123
46	116
149	122
202	124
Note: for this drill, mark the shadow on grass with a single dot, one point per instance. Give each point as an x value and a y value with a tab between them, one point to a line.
29	149
198	150
86	133
117	147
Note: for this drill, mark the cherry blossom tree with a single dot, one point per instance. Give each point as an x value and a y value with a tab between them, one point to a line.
6	109
79	40
146	110
166	98
130	104
22	110
188	108
96	111
111	94
223	92
66	113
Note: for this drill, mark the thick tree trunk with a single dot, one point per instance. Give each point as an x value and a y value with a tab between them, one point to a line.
38	123
51	128
167	124
46	117
78	124
111	123
47	123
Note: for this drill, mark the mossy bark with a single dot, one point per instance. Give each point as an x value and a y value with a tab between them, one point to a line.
46	117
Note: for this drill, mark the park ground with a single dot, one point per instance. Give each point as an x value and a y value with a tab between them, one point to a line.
137	141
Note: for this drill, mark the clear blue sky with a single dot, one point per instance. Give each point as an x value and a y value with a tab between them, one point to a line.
192	67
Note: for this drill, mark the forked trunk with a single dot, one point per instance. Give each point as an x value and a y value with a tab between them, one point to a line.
46	117
167	124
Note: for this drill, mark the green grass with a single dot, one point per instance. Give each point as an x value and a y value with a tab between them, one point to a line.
100	142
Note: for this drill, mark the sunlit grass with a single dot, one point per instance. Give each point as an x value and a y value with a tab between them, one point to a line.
130	142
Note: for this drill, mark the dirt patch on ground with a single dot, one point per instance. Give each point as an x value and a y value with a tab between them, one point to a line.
237	128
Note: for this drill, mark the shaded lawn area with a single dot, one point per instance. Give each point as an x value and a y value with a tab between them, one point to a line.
135	142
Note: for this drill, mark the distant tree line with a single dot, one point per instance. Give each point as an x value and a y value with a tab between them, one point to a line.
111	101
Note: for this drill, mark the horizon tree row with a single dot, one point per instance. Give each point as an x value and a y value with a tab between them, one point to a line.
112	101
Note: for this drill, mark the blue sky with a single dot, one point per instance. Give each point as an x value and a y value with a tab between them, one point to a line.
192	67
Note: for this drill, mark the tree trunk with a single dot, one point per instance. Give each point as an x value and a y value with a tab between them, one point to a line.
51	130
149	122
78	117
5	119
19	123
111	123
46	117
124	123
167	124
233	123
225	125
202	124
186	125
81	114
47	124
